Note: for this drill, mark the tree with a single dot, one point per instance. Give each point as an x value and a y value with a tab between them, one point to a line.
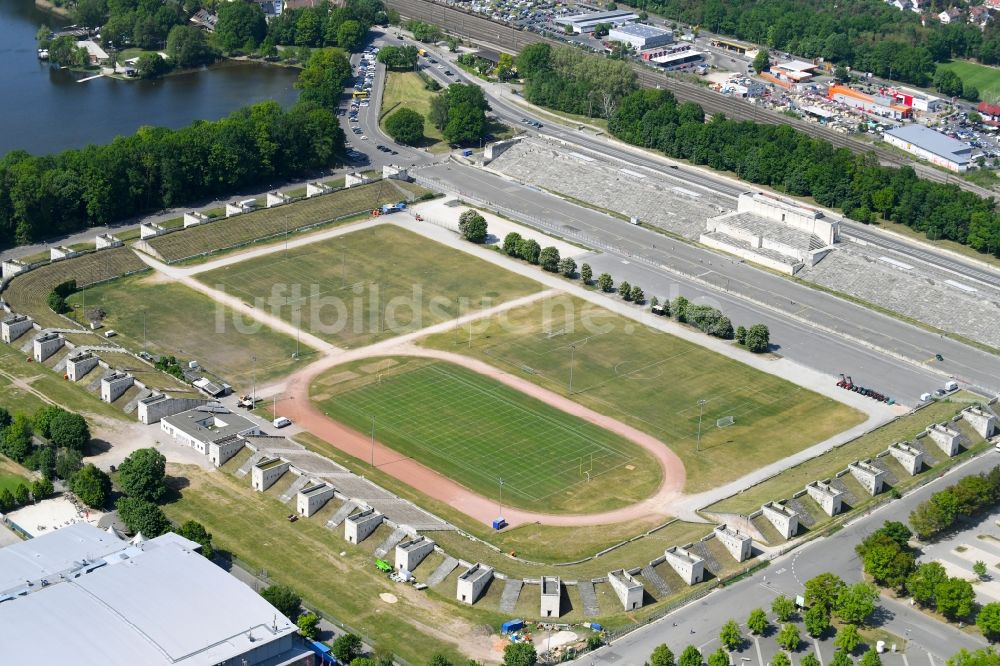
520	654
841	74
22	496
757	339
139	516
91	13
982	657
5	418
817	620
870	658
922	583
7	503
438	114
689	657
948	82
856	602
661	656
761	61
239	23
308	624
605	283
148	66
848	638
730	635
788	638
512	244
68	462
567	267
42	418
841	658
466	123
16	443
679	307
896	531
781	659
637	295
887	563
439	659
954	598
783	607
979	568
586	273
92	485
45	457
472	226
809	660
548	259
528	249
346	648
40	489
757	621
349	35
196	532
988	621
141	475
505	67
57	303
719	658
284	598
398	58
625	290
322	79
363	661
70	431
188	46
405	126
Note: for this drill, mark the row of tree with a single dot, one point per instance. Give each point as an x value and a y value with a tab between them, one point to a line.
867	35
970	496
325	24
567	79
459	111
63	435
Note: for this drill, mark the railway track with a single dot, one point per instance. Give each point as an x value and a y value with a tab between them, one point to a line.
511	39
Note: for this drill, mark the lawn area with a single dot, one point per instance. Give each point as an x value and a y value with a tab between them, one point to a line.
370	284
268	223
406	89
27	293
332	575
984	77
175	320
477	431
794	479
12	481
654	381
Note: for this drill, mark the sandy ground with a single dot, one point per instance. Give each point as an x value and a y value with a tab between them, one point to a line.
440	212
51	514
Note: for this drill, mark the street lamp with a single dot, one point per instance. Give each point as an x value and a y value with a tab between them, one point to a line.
501	499
572	359
701	412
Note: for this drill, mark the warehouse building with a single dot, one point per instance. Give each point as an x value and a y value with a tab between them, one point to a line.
641	37
879	105
585	23
674	57
80	595
794	71
202	426
932	146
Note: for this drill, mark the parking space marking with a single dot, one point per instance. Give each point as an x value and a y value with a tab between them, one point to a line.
819	653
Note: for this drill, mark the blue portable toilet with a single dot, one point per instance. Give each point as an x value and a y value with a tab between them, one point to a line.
467	152
511	626
499	523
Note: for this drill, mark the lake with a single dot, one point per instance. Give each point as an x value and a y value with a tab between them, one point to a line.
45	110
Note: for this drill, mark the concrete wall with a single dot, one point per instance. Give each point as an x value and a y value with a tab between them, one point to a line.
156	407
551	603
14	327
104	241
395	172
869	476
494	149
359	527
12	267
221	451
194	218
910	458
983	422
739	545
411	552
276	199
316	189
266	472
688	566
78	365
150	230
114	385
945	437
830	499
784	519
750	255
47	344
313	497
61	252
628	589
472	583
355	179
790	213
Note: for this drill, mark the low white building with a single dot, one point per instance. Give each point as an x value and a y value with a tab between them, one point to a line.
551	603
201	426
640	36
473	582
628	589
930	145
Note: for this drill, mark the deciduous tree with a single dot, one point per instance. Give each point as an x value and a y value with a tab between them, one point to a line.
92	485
757	622
730	635
139	516
472	226
285	599
405	126
783	607
142	475
848	638
788	638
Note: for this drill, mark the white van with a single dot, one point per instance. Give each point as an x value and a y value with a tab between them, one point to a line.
281	422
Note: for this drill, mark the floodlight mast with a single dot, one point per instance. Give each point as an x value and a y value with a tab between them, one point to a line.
701	412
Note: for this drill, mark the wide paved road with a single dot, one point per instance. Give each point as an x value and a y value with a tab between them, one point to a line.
807	325
787	575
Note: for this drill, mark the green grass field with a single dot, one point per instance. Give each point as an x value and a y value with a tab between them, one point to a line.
653	381
984	77
477	431
271	223
12	481
190	326
406	89
336	289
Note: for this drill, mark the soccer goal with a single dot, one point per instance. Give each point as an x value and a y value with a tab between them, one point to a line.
725	422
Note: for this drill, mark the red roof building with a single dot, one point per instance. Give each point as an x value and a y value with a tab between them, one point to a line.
990	113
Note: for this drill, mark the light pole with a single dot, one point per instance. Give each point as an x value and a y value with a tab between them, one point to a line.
253	393
501	499
701	412
373	441
572	360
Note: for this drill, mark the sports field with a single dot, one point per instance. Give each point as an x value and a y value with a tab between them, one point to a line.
369	285
654	381
178	321
477	431
984	77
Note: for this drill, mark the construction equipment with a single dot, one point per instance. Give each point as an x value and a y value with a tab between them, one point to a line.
246	401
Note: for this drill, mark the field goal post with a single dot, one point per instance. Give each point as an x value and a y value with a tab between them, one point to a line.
586	466
725	422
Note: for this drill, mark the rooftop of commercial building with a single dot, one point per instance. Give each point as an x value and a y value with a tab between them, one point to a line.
596	16
642	30
932	141
210	423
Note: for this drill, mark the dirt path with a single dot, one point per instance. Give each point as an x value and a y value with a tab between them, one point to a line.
308	416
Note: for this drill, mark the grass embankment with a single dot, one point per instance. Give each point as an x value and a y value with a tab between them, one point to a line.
983	77
370	285
171	319
654	381
406	89
902	429
476	431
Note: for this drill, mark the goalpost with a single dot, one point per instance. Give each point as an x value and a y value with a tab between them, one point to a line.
725	422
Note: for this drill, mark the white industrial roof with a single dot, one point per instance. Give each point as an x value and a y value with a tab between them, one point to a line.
154	604
933	142
796	66
641	30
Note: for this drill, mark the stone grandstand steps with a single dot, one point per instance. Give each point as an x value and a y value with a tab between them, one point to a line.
928	448
711	563
29	342
442	571
133	404
805	515
511	591
248	465
850	497
297	485
660	585
341	515
883	464
60	365
390	542
589	598
95	384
